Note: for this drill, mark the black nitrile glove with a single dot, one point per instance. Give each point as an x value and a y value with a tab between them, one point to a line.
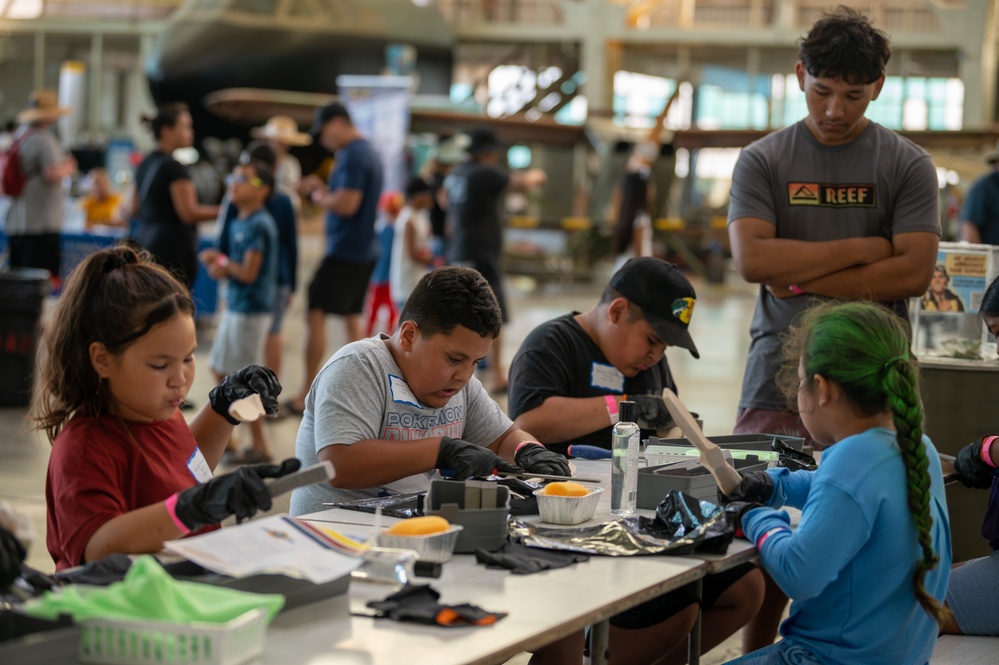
736	510
535	458
970	468
469	460
757	487
419	603
241	493
12	554
650	411
243	383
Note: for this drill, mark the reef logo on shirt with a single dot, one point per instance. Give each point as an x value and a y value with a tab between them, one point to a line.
838	195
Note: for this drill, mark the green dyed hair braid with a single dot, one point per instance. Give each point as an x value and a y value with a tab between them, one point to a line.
864	348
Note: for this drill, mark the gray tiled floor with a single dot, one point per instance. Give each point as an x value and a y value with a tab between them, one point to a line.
709	386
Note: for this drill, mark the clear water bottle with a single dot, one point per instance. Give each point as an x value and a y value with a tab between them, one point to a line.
625	441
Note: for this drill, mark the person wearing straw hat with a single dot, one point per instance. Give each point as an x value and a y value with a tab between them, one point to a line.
34	219
281	132
980	213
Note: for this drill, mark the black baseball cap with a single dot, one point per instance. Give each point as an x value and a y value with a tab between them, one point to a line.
663	294
326	113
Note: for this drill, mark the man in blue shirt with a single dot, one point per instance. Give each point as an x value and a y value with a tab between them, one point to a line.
351	202
980	214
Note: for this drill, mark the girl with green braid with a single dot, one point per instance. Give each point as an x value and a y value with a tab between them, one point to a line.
867	566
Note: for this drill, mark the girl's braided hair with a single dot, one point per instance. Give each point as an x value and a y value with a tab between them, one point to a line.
864	348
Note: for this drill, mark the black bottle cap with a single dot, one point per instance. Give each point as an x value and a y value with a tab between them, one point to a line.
626	411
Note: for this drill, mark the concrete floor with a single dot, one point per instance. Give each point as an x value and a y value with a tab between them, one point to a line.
709	386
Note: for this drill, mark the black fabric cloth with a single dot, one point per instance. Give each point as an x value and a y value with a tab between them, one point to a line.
160	230
634	190
102	572
474	196
556	360
418	603
339	286
521	560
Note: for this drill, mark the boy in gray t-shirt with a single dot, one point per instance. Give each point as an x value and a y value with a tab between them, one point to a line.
388	411
834	206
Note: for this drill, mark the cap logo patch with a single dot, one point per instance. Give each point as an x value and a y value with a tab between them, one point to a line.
683	308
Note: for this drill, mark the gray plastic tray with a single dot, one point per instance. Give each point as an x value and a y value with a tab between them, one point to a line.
735	441
652	488
484	527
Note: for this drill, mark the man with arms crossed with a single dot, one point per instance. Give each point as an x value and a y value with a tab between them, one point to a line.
834	206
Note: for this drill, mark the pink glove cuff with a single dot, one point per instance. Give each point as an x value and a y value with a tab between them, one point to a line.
796	290
171	506
986	455
612	409
526	443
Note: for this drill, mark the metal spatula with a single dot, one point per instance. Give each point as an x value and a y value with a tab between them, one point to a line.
726	476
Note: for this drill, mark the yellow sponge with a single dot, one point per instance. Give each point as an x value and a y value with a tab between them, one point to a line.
419	526
566	489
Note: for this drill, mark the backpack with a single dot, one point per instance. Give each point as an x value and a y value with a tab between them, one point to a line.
12	176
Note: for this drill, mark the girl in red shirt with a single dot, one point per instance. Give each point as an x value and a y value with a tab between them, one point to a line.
127	472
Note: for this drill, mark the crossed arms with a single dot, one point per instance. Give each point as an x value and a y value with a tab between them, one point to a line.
872	268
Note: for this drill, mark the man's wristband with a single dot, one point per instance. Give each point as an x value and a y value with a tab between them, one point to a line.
796	290
612	410
986	455
171	507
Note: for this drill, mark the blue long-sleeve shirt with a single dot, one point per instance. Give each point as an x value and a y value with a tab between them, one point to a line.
848	566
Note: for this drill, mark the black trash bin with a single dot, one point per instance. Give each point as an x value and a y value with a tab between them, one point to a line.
22	293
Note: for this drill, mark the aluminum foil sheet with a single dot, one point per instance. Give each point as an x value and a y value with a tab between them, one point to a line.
681	525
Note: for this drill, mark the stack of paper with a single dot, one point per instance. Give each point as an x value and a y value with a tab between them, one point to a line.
278	544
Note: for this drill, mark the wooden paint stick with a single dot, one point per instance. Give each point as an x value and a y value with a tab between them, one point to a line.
725	475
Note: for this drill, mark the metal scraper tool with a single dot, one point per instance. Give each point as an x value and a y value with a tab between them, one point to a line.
310	475
947	467
712	458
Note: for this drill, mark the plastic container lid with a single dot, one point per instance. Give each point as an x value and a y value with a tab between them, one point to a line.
626	411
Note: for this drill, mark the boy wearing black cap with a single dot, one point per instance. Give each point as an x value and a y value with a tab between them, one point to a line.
570	373
350	201
565	384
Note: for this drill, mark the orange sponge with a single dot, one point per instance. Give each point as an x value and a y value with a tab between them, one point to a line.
419	526
566	489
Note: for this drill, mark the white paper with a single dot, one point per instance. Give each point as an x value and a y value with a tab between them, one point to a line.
275	544
606	376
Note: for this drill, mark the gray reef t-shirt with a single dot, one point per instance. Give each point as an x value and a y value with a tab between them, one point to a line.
39	208
360	394
879	184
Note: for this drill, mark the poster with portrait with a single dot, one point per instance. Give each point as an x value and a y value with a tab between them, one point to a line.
958	283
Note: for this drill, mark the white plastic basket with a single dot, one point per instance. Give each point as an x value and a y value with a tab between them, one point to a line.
137	642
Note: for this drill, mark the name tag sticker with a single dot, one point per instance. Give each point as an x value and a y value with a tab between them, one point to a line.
606	376
401	392
197	465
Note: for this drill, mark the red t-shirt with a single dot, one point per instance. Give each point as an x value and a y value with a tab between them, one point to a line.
98	472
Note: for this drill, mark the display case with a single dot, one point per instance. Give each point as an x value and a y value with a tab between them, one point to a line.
945	322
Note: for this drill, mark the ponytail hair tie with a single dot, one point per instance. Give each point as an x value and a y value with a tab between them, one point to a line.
891	362
119	257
